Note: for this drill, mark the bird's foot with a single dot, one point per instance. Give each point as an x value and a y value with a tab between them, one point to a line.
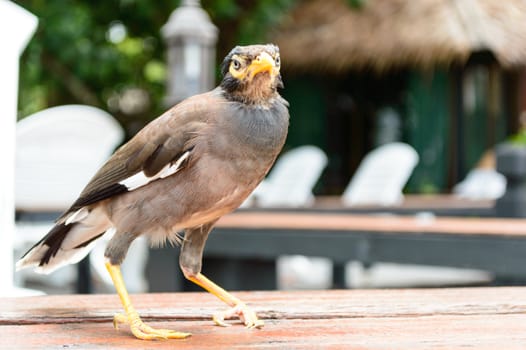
245	314
143	331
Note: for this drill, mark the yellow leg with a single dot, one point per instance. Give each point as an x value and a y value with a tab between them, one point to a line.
238	308
138	328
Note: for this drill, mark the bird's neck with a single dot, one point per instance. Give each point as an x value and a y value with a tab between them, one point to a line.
259	92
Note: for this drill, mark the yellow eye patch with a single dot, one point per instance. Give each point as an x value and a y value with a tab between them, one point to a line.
237	67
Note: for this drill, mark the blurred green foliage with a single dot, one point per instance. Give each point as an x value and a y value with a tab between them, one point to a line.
518	138
91	52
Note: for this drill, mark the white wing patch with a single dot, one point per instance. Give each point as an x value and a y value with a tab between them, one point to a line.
140	179
79	215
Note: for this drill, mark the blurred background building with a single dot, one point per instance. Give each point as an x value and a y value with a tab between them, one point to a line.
451	74
446	77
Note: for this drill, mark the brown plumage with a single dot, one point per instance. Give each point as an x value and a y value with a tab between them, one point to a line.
183	171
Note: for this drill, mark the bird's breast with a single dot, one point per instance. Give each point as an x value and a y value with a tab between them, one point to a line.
260	129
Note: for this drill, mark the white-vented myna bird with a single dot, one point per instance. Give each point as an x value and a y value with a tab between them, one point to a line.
182	172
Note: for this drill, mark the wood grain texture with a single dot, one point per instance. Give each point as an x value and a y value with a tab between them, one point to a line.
411	201
374	223
482	318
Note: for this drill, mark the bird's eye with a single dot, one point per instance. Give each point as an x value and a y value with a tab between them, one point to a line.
236	64
277	60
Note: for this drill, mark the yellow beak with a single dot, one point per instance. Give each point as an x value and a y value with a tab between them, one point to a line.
262	63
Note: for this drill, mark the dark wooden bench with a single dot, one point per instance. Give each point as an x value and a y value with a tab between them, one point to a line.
242	249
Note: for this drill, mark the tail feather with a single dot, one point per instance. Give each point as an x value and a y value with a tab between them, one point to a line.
53	240
66	243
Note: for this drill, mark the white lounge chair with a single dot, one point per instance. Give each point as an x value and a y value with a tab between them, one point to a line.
381	176
58	151
481	184
379	180
291	180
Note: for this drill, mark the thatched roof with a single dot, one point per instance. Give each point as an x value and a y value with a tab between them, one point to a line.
332	35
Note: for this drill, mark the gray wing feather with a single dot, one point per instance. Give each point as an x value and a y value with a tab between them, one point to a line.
160	143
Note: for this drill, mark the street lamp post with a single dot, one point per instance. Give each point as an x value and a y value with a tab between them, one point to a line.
191	39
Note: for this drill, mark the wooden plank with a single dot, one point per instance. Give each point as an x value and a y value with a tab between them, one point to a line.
374	223
411	201
271	305
428	332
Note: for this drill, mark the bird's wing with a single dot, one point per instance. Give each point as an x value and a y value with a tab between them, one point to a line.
161	149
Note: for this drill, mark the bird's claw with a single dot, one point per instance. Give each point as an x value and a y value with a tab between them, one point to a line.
245	314
145	332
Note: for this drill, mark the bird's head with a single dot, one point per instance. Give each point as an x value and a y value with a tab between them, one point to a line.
251	73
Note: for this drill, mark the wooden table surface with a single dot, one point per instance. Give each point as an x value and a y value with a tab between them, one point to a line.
375	223
410	201
479	318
